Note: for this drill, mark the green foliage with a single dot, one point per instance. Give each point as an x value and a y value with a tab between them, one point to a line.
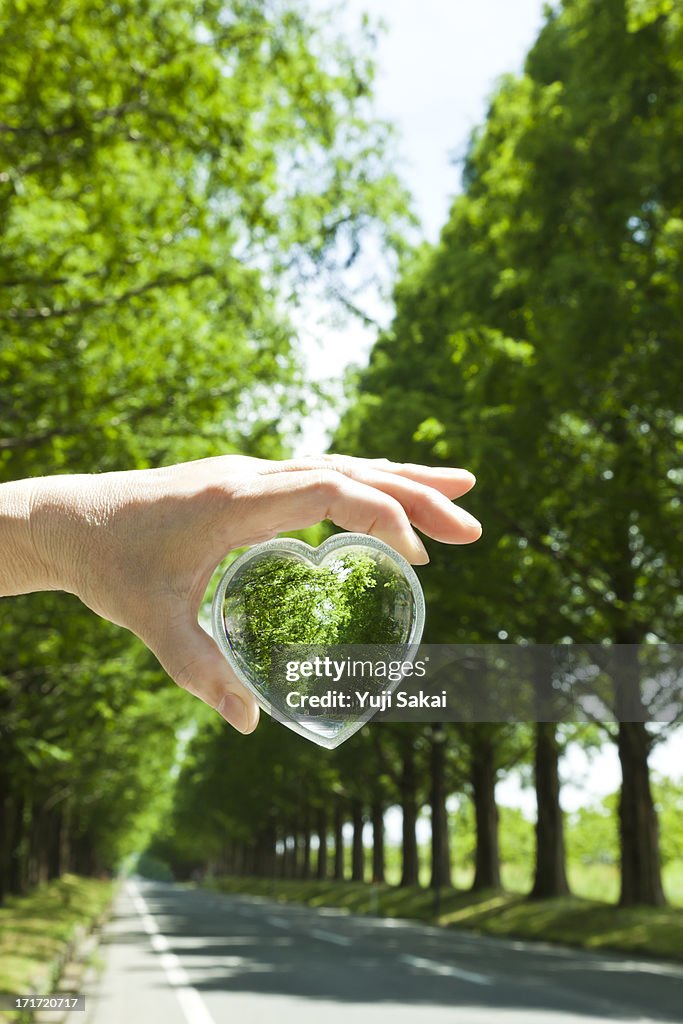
668	795
351	599
539	344
591	832
172	175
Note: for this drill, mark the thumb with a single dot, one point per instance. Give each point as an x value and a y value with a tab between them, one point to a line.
192	659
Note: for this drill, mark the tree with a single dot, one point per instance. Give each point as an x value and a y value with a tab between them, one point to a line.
541	338
171	175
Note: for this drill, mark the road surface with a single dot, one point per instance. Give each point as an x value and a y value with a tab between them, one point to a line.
187	956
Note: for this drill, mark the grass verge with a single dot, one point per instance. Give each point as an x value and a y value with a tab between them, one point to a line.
35	930
647	931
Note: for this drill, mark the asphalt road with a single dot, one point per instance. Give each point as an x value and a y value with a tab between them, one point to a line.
186	956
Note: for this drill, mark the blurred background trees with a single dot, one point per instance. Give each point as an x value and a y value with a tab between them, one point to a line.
173	177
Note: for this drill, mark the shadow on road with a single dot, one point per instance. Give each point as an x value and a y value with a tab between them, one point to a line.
236	945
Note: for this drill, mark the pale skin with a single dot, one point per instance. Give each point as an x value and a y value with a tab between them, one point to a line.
139	547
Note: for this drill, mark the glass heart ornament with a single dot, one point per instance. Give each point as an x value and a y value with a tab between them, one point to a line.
315	633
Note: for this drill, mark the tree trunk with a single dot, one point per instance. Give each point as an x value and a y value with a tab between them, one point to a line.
321	869
54	842
306	848
487	858
18	850
550	877
641	881
338	841
284	857
7	836
357	851
265	851
290	853
441	857
377	813
83	856
36	836
408	789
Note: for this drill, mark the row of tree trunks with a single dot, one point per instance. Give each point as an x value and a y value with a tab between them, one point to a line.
637	819
36	843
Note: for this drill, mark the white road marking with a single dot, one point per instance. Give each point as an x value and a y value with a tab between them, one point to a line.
277	922
445	970
191	1002
338	940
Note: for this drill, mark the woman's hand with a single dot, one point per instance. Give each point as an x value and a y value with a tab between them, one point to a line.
139	547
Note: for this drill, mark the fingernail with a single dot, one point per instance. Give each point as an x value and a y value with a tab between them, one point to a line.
467	520
421	557
233	709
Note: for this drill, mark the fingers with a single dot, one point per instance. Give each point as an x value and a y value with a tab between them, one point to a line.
422	494
448	480
377	506
194	661
427	507
295	499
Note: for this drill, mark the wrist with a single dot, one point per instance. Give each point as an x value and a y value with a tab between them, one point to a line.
37	549
22	569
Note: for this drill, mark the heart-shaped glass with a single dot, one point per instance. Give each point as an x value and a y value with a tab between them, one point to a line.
352	596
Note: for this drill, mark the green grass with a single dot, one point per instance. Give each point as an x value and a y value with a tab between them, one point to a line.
572	921
599	882
35	929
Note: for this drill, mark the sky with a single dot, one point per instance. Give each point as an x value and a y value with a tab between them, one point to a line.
438	63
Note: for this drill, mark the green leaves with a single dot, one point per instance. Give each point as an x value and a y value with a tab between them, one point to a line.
170	174
280	600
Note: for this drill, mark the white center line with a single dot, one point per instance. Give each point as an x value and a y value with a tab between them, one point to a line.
445	970
191	1002
339	940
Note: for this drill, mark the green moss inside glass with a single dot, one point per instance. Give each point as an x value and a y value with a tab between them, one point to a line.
352	598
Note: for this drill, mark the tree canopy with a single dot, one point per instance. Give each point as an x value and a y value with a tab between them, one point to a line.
170	176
